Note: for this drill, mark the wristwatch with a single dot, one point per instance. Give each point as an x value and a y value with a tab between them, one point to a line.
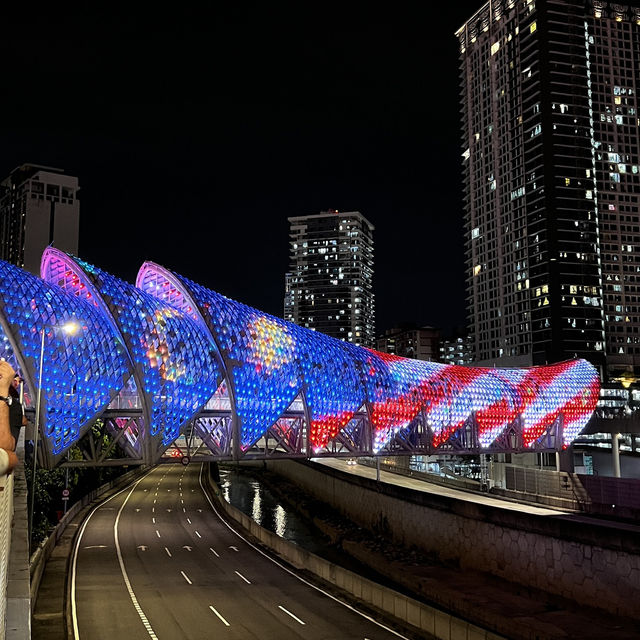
7	399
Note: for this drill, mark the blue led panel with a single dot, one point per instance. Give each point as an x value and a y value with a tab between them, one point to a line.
80	373
334	389
260	355
174	357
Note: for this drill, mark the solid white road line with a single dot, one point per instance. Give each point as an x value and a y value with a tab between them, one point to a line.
291	614
132	595
219	616
295	575
186	577
239	574
74	563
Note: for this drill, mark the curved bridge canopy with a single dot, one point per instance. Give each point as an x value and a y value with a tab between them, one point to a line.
169	360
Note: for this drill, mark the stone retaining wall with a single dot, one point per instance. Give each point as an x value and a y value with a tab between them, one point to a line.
574	557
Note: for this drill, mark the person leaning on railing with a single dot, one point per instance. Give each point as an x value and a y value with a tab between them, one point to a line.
8	458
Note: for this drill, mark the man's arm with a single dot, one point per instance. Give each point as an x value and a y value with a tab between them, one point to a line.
7	442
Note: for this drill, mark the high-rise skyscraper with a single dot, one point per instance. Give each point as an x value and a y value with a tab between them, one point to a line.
39	206
329	286
552	184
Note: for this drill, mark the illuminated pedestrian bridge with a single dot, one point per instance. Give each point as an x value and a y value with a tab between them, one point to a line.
168	365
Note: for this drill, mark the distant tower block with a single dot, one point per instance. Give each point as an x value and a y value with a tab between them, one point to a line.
39	207
329	286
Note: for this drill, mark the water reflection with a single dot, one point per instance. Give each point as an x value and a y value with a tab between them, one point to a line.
256	510
245	492
281	521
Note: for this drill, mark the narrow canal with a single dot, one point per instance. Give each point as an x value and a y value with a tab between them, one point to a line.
243	488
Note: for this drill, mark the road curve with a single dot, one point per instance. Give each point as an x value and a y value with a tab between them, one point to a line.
156	561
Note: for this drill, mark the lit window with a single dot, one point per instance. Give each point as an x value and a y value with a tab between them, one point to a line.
494	48
533	27
477	269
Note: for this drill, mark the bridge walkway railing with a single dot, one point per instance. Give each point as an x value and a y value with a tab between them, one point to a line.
15	599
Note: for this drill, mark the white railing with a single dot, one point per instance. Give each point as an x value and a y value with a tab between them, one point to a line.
6	517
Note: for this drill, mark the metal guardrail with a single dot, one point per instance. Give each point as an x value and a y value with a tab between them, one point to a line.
6	517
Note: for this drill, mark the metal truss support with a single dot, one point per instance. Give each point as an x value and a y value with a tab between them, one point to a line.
98	451
285	438
212	436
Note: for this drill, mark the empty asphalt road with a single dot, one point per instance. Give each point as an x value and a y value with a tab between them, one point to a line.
156	561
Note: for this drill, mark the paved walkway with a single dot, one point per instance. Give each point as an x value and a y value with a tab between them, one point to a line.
471	496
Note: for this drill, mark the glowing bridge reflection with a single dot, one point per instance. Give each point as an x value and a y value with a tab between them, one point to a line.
169	367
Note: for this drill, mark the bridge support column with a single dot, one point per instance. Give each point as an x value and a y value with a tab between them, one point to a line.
484	473
564	460
615	452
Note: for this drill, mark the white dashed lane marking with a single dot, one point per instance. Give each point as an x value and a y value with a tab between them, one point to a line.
219	616
239	574
291	614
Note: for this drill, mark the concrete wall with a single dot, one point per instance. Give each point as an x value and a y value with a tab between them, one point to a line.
587	562
439	624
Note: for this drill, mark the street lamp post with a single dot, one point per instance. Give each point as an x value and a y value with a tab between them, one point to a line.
69	328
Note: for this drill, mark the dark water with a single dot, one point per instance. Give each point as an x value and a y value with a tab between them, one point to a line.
245	492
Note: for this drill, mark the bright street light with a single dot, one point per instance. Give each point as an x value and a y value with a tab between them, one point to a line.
69	328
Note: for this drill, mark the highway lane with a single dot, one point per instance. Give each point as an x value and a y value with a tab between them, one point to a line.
156	561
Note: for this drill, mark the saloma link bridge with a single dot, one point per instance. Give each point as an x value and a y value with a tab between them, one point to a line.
170	368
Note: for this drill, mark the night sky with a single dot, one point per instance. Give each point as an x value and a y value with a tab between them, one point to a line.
195	136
